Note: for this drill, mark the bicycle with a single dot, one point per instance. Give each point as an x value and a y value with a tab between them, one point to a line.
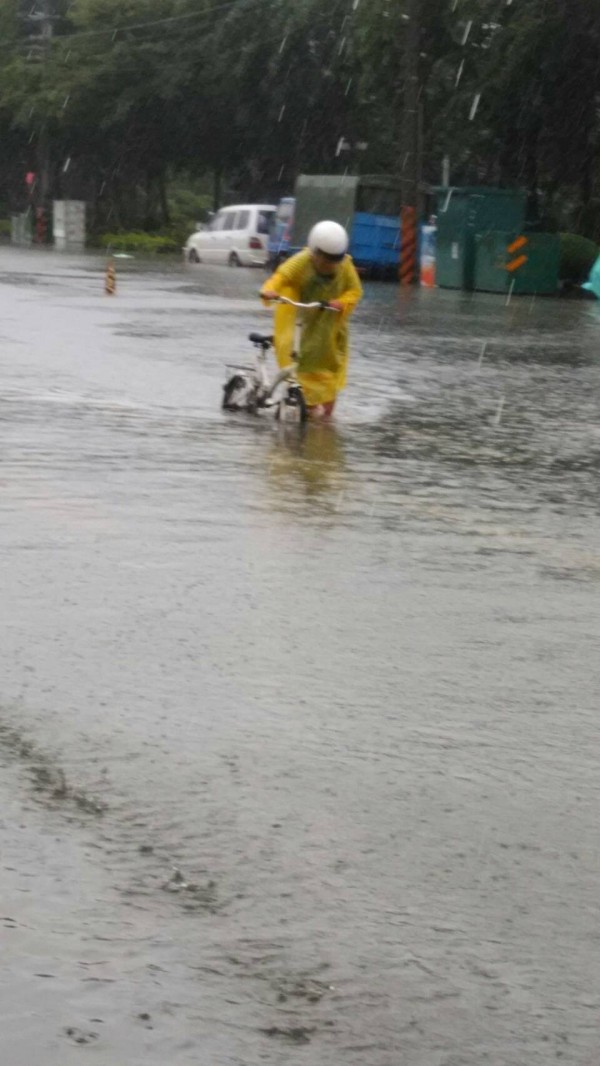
248	388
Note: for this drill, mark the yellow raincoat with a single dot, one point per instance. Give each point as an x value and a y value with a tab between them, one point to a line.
323	356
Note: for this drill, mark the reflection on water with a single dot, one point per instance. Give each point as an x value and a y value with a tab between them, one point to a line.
306	467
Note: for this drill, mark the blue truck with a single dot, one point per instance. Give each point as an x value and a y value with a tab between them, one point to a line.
368	207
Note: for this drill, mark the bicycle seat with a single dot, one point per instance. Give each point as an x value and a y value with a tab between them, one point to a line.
260	339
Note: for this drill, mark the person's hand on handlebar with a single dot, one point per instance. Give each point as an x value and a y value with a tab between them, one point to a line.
269	294
335	305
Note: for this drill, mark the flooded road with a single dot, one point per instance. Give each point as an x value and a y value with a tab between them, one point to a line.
298	736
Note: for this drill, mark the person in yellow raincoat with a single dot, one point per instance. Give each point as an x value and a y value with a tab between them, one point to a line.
323	271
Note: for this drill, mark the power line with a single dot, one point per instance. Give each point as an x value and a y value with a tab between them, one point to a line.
66	40
116	28
113	30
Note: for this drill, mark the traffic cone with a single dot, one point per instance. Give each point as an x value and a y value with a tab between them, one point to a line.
110	279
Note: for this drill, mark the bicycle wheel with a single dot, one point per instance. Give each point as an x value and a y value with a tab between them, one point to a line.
292	407
235	393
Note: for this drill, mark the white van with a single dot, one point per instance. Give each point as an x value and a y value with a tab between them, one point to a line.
238	236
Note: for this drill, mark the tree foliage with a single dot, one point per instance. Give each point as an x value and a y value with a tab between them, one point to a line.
125	95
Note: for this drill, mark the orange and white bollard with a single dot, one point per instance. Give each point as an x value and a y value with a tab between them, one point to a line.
408	247
110	279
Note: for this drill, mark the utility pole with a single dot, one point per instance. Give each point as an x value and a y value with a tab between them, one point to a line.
409	146
41	18
47	16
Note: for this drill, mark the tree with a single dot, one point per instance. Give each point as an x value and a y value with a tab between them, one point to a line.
128	93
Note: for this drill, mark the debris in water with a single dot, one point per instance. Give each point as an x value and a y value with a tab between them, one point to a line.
296	1035
474	106
46	777
79	1036
176	882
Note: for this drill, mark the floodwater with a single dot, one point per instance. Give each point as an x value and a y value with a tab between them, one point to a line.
298	734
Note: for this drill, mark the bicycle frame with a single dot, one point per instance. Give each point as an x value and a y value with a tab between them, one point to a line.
250	388
313	306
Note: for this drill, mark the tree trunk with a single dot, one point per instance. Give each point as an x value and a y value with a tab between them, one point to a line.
162	196
218	177
587	178
148	197
531	169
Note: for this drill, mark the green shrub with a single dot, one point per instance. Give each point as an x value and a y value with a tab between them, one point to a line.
187	206
5	229
140	243
577	256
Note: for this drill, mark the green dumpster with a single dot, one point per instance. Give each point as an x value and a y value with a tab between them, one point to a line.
496	251
464	213
540	274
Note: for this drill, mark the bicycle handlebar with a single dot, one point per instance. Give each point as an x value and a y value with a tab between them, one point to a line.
322	304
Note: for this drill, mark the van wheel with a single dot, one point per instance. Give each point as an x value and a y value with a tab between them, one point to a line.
193	256
234	260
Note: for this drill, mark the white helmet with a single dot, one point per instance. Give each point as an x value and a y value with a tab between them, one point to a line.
330	239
